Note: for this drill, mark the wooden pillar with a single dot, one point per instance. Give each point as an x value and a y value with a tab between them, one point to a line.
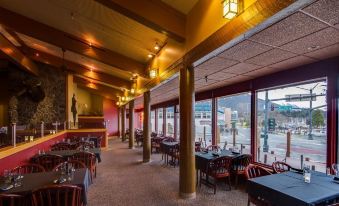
131	124
187	173
214	115
254	141
175	126
156	120
147	130
123	122
119	122
164	121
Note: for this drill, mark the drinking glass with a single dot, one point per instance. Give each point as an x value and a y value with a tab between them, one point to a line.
307	174
335	168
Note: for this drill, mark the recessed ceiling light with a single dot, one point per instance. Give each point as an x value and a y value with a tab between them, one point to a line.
37	54
150	55
313	47
156	47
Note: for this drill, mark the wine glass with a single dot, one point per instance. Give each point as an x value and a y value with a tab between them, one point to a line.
335	168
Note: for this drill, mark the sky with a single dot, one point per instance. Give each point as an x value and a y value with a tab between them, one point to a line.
280	93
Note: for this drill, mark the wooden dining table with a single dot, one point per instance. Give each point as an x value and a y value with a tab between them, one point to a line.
289	188
202	159
166	147
33	181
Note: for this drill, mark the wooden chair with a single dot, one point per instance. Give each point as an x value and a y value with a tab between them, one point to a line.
11	200
174	153
75	163
279	167
239	165
83	144
253	171
61	146
89	160
65	195
197	146
219	168
214	148
48	161
28	168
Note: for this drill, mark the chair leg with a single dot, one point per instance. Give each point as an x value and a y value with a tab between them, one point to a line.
236	181
200	179
229	182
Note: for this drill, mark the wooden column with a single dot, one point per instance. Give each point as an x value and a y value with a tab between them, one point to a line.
119	122
214	118
156	120
131	124
164	121
123	122
147	129
187	174
175	126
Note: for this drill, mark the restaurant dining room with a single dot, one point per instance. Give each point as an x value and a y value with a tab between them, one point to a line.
169	102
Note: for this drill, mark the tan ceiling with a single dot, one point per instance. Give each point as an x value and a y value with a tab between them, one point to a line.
93	22
73	57
184	6
306	36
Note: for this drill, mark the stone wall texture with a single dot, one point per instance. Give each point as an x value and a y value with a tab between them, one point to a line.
51	108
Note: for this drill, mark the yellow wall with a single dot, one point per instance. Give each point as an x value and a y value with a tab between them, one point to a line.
205	18
202	21
88	103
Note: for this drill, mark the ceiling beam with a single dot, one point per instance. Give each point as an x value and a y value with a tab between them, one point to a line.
99	89
153	14
257	13
16	56
67	41
97	92
76	68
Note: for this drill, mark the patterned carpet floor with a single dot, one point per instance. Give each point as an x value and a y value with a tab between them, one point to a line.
123	179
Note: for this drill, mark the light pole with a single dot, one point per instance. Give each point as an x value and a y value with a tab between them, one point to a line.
265	146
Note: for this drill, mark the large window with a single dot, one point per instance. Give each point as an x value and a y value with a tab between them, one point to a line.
234	122
153	120
170	121
160	120
291	125
203	122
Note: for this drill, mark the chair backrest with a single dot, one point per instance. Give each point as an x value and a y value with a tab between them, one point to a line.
65	195
85	157
83	144
240	163
48	161
213	148
61	146
219	165
197	146
279	167
99	139
11	200
253	171
28	168
76	164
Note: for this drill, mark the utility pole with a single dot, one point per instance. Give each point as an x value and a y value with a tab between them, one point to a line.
310	137
265	146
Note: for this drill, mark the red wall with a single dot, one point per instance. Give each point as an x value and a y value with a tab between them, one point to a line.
111	114
24	156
